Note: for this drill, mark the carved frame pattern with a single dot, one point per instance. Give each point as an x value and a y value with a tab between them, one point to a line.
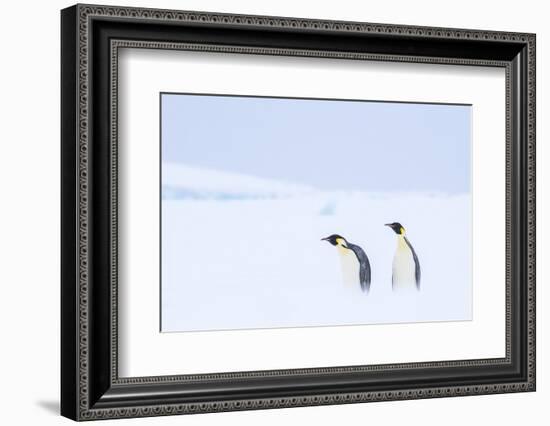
85	13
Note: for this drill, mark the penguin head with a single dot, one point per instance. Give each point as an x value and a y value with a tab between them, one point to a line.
397	228
336	240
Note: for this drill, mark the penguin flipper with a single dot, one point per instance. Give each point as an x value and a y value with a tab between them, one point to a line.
417	272
364	266
364	276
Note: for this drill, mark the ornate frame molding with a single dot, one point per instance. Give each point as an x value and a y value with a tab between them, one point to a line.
78	24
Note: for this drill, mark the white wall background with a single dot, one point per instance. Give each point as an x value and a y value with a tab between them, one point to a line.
29	225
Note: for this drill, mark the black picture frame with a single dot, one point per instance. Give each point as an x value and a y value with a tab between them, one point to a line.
90	386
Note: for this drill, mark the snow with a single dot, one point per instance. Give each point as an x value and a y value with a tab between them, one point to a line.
255	260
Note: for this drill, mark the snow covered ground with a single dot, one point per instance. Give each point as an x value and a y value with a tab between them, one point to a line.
243	252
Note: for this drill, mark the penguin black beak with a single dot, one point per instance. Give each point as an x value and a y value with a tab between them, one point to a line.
324	239
387	224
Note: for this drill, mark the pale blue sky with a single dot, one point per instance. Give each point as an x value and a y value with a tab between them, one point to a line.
331	145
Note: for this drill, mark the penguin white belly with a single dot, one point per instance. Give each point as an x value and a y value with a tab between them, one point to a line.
403	271
350	267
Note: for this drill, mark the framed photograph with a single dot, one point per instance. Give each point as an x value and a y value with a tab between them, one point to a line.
263	212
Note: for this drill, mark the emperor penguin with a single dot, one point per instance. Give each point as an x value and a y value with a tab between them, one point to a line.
354	262
406	267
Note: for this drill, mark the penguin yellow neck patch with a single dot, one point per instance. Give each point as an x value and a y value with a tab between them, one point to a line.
401	243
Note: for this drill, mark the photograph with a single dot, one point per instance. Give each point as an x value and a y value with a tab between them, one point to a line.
300	212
